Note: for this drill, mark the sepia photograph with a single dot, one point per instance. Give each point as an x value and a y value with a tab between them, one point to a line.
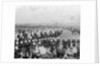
47	32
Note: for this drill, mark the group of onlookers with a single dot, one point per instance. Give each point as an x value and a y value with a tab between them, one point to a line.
45	44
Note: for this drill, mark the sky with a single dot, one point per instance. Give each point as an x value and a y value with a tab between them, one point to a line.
65	14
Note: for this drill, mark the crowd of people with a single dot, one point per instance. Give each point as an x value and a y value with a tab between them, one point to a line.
45	44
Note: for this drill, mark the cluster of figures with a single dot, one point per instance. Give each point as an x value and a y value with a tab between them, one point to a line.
45	44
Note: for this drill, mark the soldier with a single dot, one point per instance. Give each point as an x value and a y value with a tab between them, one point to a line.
60	50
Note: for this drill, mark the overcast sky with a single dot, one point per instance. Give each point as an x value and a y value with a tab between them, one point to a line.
48	14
